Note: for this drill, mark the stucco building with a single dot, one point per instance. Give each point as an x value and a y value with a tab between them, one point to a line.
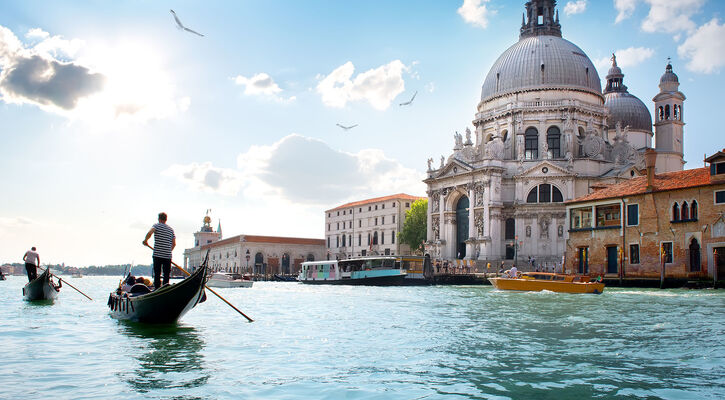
367	227
632	229
545	132
254	254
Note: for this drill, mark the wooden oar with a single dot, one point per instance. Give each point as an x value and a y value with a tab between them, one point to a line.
209	289
66	282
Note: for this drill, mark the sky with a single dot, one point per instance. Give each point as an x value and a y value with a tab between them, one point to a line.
109	114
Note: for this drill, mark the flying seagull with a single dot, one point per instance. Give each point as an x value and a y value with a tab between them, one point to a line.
181	26
347	128
407	103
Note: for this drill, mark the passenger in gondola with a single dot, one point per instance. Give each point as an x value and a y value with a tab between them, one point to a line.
32	261
128	283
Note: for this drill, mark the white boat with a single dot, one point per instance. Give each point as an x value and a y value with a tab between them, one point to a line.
227	280
374	271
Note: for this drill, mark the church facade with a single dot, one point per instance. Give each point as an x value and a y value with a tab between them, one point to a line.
545	133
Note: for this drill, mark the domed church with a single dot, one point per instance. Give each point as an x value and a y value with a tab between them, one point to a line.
545	133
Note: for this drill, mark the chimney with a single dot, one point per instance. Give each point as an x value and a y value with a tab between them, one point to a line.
650	159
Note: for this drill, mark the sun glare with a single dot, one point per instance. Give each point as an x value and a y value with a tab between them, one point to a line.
137	87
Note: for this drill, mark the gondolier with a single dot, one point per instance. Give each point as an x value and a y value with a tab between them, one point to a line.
164	244
32	261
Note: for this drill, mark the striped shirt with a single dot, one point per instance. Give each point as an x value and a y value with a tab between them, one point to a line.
163	240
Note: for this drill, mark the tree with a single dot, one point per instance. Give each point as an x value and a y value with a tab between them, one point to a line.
415	227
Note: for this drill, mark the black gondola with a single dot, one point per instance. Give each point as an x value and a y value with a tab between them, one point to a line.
164	305
41	288
284	278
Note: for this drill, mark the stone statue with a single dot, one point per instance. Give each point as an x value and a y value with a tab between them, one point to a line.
569	161
436	228
479	195
544	223
520	123
443	162
528	231
568	124
560	231
459	141
468	137
479	224
545	148
430	164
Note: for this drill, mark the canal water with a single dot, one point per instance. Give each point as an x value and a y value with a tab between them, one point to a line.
342	342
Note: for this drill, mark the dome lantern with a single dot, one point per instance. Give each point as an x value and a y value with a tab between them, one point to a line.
543	19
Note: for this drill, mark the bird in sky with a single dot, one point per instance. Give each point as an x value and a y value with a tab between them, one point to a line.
347	128
181	26
409	102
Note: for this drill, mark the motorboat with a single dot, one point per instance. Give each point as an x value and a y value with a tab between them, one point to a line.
538	281
229	280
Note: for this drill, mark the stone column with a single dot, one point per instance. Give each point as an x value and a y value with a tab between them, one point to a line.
429	217
472	233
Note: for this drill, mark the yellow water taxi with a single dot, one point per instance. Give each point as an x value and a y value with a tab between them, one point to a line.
538	281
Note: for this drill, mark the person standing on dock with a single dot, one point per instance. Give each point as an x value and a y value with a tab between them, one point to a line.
32	262
164	244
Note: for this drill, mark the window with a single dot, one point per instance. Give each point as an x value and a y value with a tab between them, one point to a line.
359	223
581	218
608	216
368	239
382	238
510	233
376	221
383	206
328	227
338	226
693	210
634	254
553	140
338	213
393	218
720	197
392	237
359	239
717	169
370	208
531	145
375	238
350	225
632	214
376	206
349	240
343	240
545	193
667	111
329	215
337	241
407	205
382	220
685	212
393	205
667	252
360	210
343	212
675	212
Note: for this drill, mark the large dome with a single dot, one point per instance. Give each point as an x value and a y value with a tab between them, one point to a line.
628	110
541	62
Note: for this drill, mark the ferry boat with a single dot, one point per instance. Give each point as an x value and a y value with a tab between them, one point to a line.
374	271
538	281
227	280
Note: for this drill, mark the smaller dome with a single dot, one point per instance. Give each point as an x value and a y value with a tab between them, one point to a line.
627	110
207	220
669	76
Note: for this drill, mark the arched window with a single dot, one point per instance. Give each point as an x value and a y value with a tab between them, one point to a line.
553	140
531	144
676	212
661	113
693	210
545	193
667	111
343	240
675	112
685	212
375	238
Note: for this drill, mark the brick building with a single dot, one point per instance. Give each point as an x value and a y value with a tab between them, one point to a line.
254	254
632	229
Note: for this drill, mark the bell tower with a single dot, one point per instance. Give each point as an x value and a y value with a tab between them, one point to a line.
669	125
541	18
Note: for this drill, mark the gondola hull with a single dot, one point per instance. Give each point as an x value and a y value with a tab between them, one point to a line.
40	288
163	306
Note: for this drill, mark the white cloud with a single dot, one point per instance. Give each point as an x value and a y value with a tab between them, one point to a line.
37	33
377	86
303	170
705	48
671	16
475	12
629	57
205	177
261	84
103	85
625	8
575	7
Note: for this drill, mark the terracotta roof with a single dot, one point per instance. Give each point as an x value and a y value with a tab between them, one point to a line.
399	196
715	157
265	239
663	182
